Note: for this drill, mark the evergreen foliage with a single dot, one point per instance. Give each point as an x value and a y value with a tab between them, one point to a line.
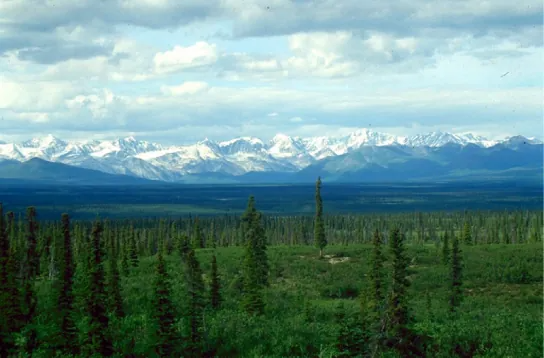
215	286
399	320
467	235
195	290
68	331
446	248
167	337
319	228
9	296
456	276
132	249
255	265
99	338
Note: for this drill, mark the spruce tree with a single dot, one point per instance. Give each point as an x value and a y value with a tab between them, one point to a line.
8	303
125	269
114	287
198	236
467	236
319	229
30	270
255	265
132	249
195	288
167	339
400	337
376	273
456	276
183	246
99	340
445	248
215	286
68	330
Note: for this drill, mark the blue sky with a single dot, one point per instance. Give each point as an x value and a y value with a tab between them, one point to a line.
177	72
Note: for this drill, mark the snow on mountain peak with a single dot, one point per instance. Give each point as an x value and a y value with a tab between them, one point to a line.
236	156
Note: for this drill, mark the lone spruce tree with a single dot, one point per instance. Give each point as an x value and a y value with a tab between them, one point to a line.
99	340
456	275
215	286
167	337
255	264
319	229
68	330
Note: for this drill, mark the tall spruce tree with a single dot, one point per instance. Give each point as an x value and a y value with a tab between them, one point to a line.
8	302
456	276
399	335
167	339
215	286
99	339
68	330
30	270
255	264
376	273
195	288
319	228
114	286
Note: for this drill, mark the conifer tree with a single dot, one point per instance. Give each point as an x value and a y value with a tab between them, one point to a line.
445	248
124	260
114	286
456	276
467	236
132	250
30	270
400	337
319	229
198	236
376	273
183	246
195	288
68	330
8	312
99	340
255	264
167	336
215	286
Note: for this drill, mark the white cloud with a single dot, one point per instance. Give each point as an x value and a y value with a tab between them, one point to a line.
180	58
186	88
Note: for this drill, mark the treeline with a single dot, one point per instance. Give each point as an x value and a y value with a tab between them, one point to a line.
506	227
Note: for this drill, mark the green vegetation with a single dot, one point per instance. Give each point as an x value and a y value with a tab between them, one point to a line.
438	284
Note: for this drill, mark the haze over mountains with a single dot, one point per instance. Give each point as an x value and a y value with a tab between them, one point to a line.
362	155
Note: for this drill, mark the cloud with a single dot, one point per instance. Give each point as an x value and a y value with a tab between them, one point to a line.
180	58
186	88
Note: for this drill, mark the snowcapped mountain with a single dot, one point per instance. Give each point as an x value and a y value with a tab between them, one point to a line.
238	156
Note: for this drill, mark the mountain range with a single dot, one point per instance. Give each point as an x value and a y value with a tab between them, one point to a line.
363	155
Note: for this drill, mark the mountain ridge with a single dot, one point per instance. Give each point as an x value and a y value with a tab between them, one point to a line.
244	155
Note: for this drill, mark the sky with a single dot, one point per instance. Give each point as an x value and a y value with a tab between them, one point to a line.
176	72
